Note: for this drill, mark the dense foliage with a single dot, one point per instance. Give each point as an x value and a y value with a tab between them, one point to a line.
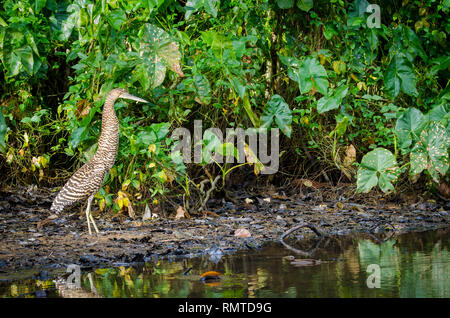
342	85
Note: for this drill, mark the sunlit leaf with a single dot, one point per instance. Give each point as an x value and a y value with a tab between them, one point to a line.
377	167
431	151
158	51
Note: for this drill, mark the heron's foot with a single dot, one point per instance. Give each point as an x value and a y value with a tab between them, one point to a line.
91	218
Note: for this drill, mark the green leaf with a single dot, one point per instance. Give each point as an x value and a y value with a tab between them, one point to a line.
157	50
78	135
64	20
311	74
431	151
377	167
3	129
193	6
408	43
278	111
250	113
305	5
358	8
211	144
399	76
285	4
409	126
327	103
203	88
38	5
440	114
116	18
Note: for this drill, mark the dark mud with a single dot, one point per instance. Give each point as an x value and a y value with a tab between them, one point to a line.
33	238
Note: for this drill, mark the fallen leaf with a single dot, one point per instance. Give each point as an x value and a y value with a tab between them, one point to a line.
181	212
242	233
147	213
248	200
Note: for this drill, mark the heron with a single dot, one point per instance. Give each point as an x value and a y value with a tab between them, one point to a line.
87	180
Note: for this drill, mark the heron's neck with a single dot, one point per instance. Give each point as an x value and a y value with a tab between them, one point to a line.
109	137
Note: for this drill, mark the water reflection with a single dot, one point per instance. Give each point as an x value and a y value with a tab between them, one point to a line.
411	265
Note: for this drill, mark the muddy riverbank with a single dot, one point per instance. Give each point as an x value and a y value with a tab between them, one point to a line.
33	238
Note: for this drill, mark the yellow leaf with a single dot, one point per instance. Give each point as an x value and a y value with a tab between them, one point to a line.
126	201
339	67
361	86
120	202
101	204
113	172
151	165
152	148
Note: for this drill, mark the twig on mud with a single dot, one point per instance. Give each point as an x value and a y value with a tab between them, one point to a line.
295	228
208	193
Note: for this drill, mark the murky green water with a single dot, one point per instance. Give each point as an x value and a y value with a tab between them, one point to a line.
411	265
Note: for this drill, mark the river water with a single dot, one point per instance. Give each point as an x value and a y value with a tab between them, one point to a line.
409	265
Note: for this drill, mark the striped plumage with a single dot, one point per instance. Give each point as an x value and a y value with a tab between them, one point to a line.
86	181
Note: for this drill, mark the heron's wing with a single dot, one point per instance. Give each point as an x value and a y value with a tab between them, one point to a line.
85	182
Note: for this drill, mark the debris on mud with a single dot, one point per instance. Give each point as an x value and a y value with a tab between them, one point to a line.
32	237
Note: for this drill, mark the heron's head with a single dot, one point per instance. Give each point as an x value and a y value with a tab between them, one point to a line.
122	93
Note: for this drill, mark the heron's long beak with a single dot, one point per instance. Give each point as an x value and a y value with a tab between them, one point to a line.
132	97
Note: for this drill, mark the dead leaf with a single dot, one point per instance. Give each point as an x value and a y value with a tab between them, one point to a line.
242	233
248	200
181	213
131	210
350	155
147	213
307	183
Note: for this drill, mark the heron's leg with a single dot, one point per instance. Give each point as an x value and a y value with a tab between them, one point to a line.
88	213
93	222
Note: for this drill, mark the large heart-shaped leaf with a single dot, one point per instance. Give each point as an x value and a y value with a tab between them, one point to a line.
310	75
19	52
333	101
409	126
278	111
405	40
157	51
285	4
64	20
399	76
377	167
431	151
